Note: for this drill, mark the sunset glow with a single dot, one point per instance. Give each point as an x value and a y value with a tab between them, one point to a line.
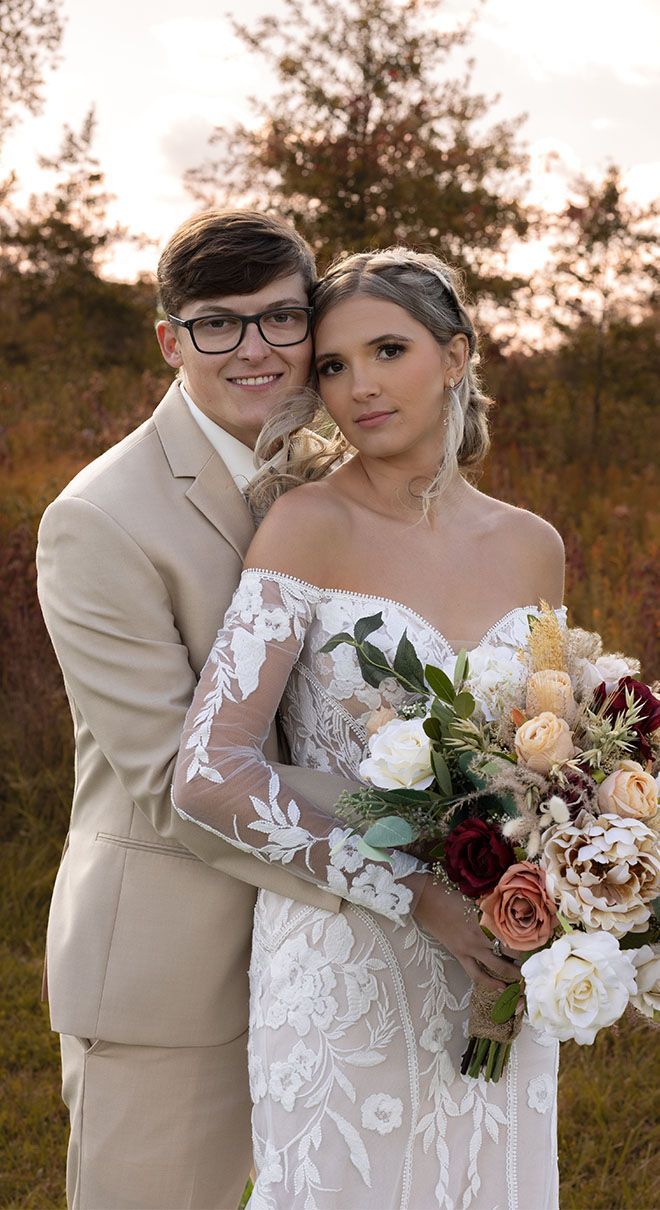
584	73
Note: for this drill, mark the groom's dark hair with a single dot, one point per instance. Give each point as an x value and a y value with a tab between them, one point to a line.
223	252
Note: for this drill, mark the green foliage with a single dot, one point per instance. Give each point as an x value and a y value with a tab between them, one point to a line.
392	832
603	269
505	1006
385	148
66	231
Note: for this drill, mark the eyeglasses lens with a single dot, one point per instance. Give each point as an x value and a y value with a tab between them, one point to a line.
221	333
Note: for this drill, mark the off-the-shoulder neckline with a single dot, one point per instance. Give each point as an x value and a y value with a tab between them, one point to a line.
368	596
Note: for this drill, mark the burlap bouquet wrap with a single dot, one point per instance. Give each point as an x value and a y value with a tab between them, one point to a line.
481	1024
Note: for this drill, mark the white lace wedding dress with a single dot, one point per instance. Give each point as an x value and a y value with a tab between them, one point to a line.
358	1020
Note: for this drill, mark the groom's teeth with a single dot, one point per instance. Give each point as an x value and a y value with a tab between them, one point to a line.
257	382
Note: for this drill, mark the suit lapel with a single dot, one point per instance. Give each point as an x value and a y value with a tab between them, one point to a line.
191	456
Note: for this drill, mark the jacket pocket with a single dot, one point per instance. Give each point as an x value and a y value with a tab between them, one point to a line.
147	846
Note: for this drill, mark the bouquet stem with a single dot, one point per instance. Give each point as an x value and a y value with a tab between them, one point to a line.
485	1053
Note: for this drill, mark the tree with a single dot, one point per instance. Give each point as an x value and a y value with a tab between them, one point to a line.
30	36
367	143
603	272
64	232
52	297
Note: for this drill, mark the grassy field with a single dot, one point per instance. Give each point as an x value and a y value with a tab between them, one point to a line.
608	1114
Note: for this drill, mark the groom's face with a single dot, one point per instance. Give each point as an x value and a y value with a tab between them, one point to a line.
241	388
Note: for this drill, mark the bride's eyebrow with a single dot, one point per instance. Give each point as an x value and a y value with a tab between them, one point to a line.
377	340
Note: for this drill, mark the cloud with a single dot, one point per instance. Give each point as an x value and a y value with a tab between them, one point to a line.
185	144
643	182
569	38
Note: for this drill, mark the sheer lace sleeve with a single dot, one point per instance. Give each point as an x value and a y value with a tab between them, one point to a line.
222	781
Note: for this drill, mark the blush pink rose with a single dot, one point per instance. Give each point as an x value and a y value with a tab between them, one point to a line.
520	912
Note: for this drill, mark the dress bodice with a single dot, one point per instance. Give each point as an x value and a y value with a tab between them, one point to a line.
326	703
269	651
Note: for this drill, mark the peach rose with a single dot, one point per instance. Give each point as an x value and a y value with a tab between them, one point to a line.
520	911
629	791
551	690
543	741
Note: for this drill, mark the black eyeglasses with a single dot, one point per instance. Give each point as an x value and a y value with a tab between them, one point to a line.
278	326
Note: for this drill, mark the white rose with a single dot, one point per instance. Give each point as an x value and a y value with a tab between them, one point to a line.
400	756
579	985
607	668
647	963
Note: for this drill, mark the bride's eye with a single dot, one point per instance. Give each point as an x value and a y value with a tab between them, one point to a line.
328	369
390	350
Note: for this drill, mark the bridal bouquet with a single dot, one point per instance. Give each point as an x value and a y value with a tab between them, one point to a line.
529	779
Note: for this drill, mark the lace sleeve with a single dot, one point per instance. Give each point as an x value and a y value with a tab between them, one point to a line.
222	781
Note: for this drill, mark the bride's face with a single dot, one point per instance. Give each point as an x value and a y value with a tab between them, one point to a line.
383	377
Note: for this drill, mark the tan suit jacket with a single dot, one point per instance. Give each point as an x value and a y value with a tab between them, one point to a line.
150	923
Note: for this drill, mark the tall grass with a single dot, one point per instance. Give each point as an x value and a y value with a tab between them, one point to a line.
53	425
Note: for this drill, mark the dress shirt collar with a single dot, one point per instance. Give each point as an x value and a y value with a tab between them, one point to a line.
237	457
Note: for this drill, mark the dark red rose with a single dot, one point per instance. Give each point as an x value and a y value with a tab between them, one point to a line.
476	856
615	703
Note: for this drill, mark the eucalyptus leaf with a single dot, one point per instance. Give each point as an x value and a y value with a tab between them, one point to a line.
392	831
407	663
407	797
442	774
461	669
432	728
505	1005
565	924
439	683
470	766
655	907
442	712
366	626
370	853
336	641
464	704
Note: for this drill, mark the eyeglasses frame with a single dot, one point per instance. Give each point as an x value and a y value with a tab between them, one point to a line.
245	320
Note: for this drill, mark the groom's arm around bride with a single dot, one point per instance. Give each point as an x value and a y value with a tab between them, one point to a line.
149	931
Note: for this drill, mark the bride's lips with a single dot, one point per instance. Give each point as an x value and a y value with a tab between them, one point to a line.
370	420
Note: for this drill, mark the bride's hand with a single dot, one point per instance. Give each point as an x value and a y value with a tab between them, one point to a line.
441	911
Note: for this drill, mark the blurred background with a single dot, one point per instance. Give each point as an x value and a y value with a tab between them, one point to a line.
515	139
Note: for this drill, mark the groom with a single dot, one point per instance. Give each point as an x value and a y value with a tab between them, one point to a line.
149	931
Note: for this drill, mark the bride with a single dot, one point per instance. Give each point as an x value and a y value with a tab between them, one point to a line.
358	1020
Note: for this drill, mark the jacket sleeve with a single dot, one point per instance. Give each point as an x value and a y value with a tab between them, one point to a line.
222	780
127	672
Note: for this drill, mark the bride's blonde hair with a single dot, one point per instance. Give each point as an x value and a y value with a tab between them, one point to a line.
432	293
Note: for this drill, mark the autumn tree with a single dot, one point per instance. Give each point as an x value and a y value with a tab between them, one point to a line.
30	36
65	230
52	295
602	276
367	141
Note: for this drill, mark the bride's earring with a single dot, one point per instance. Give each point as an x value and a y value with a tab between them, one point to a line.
450	384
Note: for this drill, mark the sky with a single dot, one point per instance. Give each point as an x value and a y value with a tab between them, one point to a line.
161	76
